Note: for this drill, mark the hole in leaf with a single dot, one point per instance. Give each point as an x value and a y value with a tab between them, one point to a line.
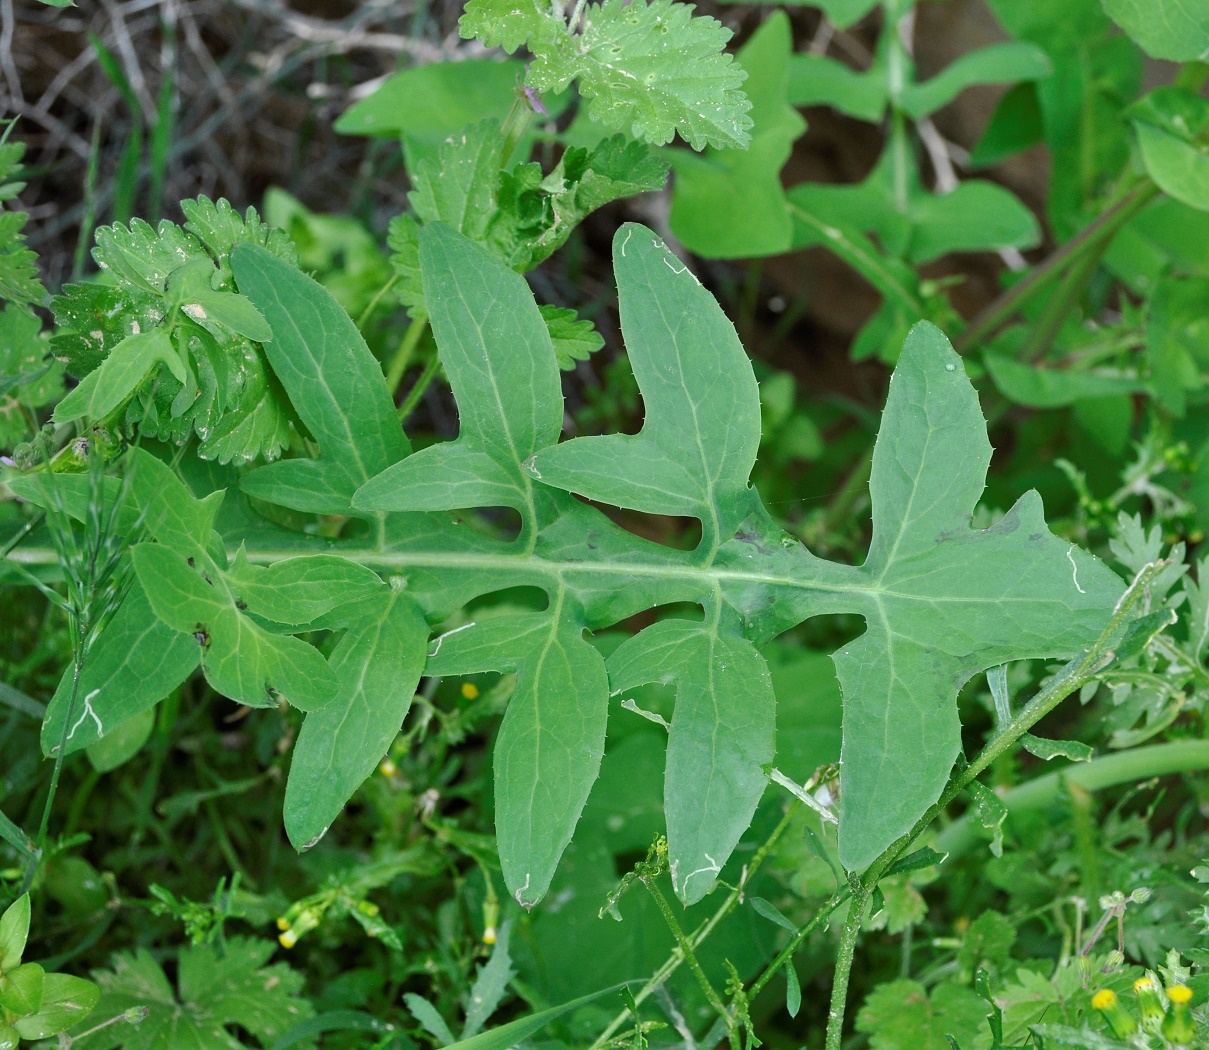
831	632
510	599
500	523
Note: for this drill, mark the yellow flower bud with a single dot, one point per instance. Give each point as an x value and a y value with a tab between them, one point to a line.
1118	1018
470	691
1178	1026
1150	1005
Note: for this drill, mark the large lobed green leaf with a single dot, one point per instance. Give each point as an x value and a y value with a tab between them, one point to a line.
941	601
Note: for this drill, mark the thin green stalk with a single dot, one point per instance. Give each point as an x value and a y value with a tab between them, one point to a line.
786	953
89	217
1067	681
673	961
843	965
1070	290
686	950
407	348
417	391
855	485
367	313
31	869
990	320
859	253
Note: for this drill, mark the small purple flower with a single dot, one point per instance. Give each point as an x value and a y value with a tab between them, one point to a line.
534	99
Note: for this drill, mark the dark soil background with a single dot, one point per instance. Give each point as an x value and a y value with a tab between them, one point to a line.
256	86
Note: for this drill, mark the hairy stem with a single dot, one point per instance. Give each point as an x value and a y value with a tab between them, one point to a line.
673	961
1095	236
843	963
686	950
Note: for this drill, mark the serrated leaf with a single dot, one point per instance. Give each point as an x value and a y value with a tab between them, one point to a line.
335	383
722	735
697	446
538	213
509	23
706	186
652	69
215	383
490	984
901	1015
215	995
377	665
1172	29
19	281
29	377
574	338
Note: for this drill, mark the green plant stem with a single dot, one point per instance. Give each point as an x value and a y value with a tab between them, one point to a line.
35	861
786	953
368	312
1124	767
1068	293
673	961
859	253
403	355
855	485
1095	236
843	963
417	391
686	950
1066	681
